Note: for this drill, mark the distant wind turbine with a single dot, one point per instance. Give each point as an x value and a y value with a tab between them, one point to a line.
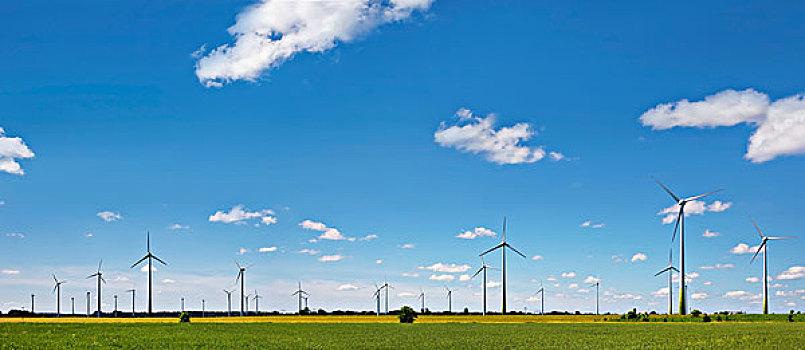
72	308
502	246
377	295
228	302
241	277
257	298
765	247
670	270
422	296
483	269
449	300
88	303
203	307
541	291
57	290
99	276
182	304
132	291
300	294
115	305
680	224
148	256
597	286
32	302
386	285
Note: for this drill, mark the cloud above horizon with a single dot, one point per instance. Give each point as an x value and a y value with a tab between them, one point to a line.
328	233
240	216
12	149
477	135
270	32
780	124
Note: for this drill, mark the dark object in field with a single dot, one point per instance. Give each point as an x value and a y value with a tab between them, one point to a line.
407	314
706	318
184	317
696	313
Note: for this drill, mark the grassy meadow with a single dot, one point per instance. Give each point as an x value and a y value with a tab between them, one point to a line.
371	332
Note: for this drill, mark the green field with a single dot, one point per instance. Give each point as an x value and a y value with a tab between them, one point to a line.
408	336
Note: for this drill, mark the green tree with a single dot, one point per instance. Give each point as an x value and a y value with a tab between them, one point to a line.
407	314
184	317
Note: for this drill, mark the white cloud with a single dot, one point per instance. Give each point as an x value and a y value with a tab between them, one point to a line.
239	215
329	233
537	257
178	227
464	278
708	283
347	287
591	279
752	279
781	124
740	294
267	249
710	234
109	216
627	296
168	281
556	156
11	149
570	274
406	295
15	235
590	224
693	208
407	274
639	257
10	272
793	273
573	286
270	32
145	268
447	268
242	251
698	296
407	246
441	277
89	234
743	248
475	233
309	251
717	267
660	292
477	135
378	261
368	237
492	284
551	278
330	258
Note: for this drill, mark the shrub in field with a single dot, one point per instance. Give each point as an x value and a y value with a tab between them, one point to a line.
791	316
718	318
407	314
184	317
305	311
696	313
466	311
706	318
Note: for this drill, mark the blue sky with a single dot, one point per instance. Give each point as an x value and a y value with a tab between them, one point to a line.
415	123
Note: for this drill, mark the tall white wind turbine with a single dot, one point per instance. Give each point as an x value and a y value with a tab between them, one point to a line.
765	248
483	269
148	256
57	290
670	268
502	246
99	275
241	277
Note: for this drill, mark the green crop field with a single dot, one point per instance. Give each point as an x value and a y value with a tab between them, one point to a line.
407	336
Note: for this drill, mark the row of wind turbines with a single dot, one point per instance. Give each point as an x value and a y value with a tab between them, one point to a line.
303	295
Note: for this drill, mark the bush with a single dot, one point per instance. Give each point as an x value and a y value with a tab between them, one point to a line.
184	317
706	318
407	314
466	311
791	316
718	318
696	313
305	311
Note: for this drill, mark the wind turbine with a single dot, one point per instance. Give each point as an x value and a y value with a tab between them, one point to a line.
32	302
133	291
241	277
483	268
670	270
257	303
203	307
597	286
57	290
182	303
541	291
87	303
422	296
449	300
377	295
72	302
115	305
386	285
247	303
765	247
680	224
148	256
502	246
306	298
228	302
99	276
301	294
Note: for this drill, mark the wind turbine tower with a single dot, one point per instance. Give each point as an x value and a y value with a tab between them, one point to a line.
449	300
502	246
32	302
765	248
483	269
422	296
115	305
148	256
57	290
670	270
241	277
72	302
680	224
133	291
541	291
597	286
88	304
228	302
300	294
377	295
257	298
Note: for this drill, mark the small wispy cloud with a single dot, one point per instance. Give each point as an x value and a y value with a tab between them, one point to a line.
176	227
309	251
409	274
331	258
109	216
639	257
590	224
347	287
792	273
447	268
406	246
240	216
267	249
368	237
15	235
10	272
717	267
475	233
710	234
570	274
537	257
441	277
743	248
694	207
328	233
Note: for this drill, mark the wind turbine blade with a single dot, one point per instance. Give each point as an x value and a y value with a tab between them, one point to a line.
139	261
55	279
236	263
491	249
504	229
515	250
678	219
756	228
493	268
476	273
99	265
103	280
675	269
786	237
160	260
662	271
701	195
759	248
667	190
54	288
